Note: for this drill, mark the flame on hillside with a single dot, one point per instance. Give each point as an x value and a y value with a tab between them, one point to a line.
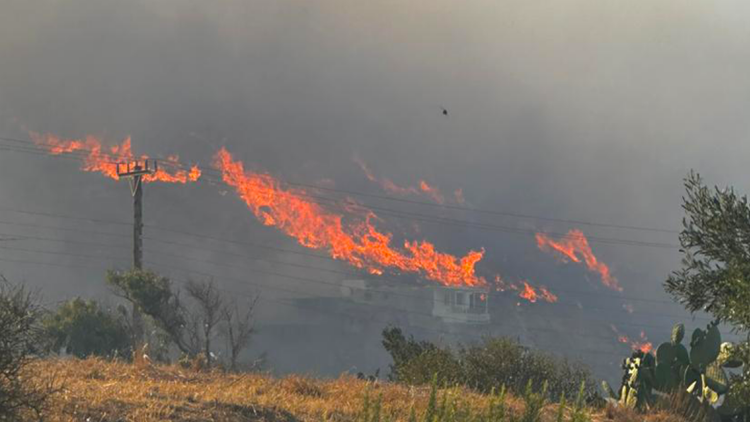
423	189
359	243
526	290
575	246
642	344
97	158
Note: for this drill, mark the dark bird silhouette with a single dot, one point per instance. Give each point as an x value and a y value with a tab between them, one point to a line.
445	112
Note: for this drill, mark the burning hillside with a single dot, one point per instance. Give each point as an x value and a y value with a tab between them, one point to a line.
575	247
96	158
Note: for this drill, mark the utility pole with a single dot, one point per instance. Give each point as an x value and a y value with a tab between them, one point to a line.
134	171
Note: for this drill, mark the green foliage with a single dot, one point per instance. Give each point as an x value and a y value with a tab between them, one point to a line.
484	366
715	275
579	413
561	409
439	363
535	402
450	406
153	295
636	389
403	350
20	339
503	361
84	329
699	372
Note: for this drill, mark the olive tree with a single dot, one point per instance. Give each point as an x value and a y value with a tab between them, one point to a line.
715	272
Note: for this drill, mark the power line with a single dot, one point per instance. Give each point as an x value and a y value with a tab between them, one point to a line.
283	250
263	286
277	288
415	216
206	171
397	294
271	273
66	229
471	224
65	217
440	220
307	280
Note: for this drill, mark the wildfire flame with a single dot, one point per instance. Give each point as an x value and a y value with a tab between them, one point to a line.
528	293
424	188
641	344
432	192
576	247
526	290
359	243
104	161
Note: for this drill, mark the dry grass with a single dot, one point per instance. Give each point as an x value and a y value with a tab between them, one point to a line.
95	390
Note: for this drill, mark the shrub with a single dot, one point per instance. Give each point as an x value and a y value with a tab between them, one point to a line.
82	328
20	337
435	363
486	366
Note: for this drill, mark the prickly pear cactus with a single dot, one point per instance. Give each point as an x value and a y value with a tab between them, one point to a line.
705	346
678	332
636	390
699	371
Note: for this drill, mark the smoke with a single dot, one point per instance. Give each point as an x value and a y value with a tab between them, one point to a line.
582	109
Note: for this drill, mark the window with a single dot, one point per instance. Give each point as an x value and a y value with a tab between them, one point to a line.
447	298
459	298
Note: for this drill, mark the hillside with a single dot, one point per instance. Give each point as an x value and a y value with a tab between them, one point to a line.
97	390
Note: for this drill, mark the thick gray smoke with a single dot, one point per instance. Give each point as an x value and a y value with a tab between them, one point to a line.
581	109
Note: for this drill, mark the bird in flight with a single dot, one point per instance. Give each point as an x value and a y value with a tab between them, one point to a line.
445	111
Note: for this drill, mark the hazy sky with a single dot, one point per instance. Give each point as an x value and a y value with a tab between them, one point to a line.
590	110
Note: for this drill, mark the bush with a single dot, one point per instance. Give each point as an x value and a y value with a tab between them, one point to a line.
503	361
486	366
436	363
20	337
82	328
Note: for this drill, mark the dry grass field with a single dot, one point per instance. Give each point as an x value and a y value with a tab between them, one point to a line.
95	390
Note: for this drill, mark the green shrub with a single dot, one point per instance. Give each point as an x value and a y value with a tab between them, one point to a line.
485	366
20	337
82	328
449	405
438	363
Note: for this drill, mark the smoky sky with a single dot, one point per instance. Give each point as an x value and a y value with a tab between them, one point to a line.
576	109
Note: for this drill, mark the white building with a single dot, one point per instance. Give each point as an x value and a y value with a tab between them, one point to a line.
461	305
451	305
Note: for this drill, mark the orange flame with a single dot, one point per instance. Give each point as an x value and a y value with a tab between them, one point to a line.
359	243
432	192
424	188
642	345
547	295
527	292
573	245
98	159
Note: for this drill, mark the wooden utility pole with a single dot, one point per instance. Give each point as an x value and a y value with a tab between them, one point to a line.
135	171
